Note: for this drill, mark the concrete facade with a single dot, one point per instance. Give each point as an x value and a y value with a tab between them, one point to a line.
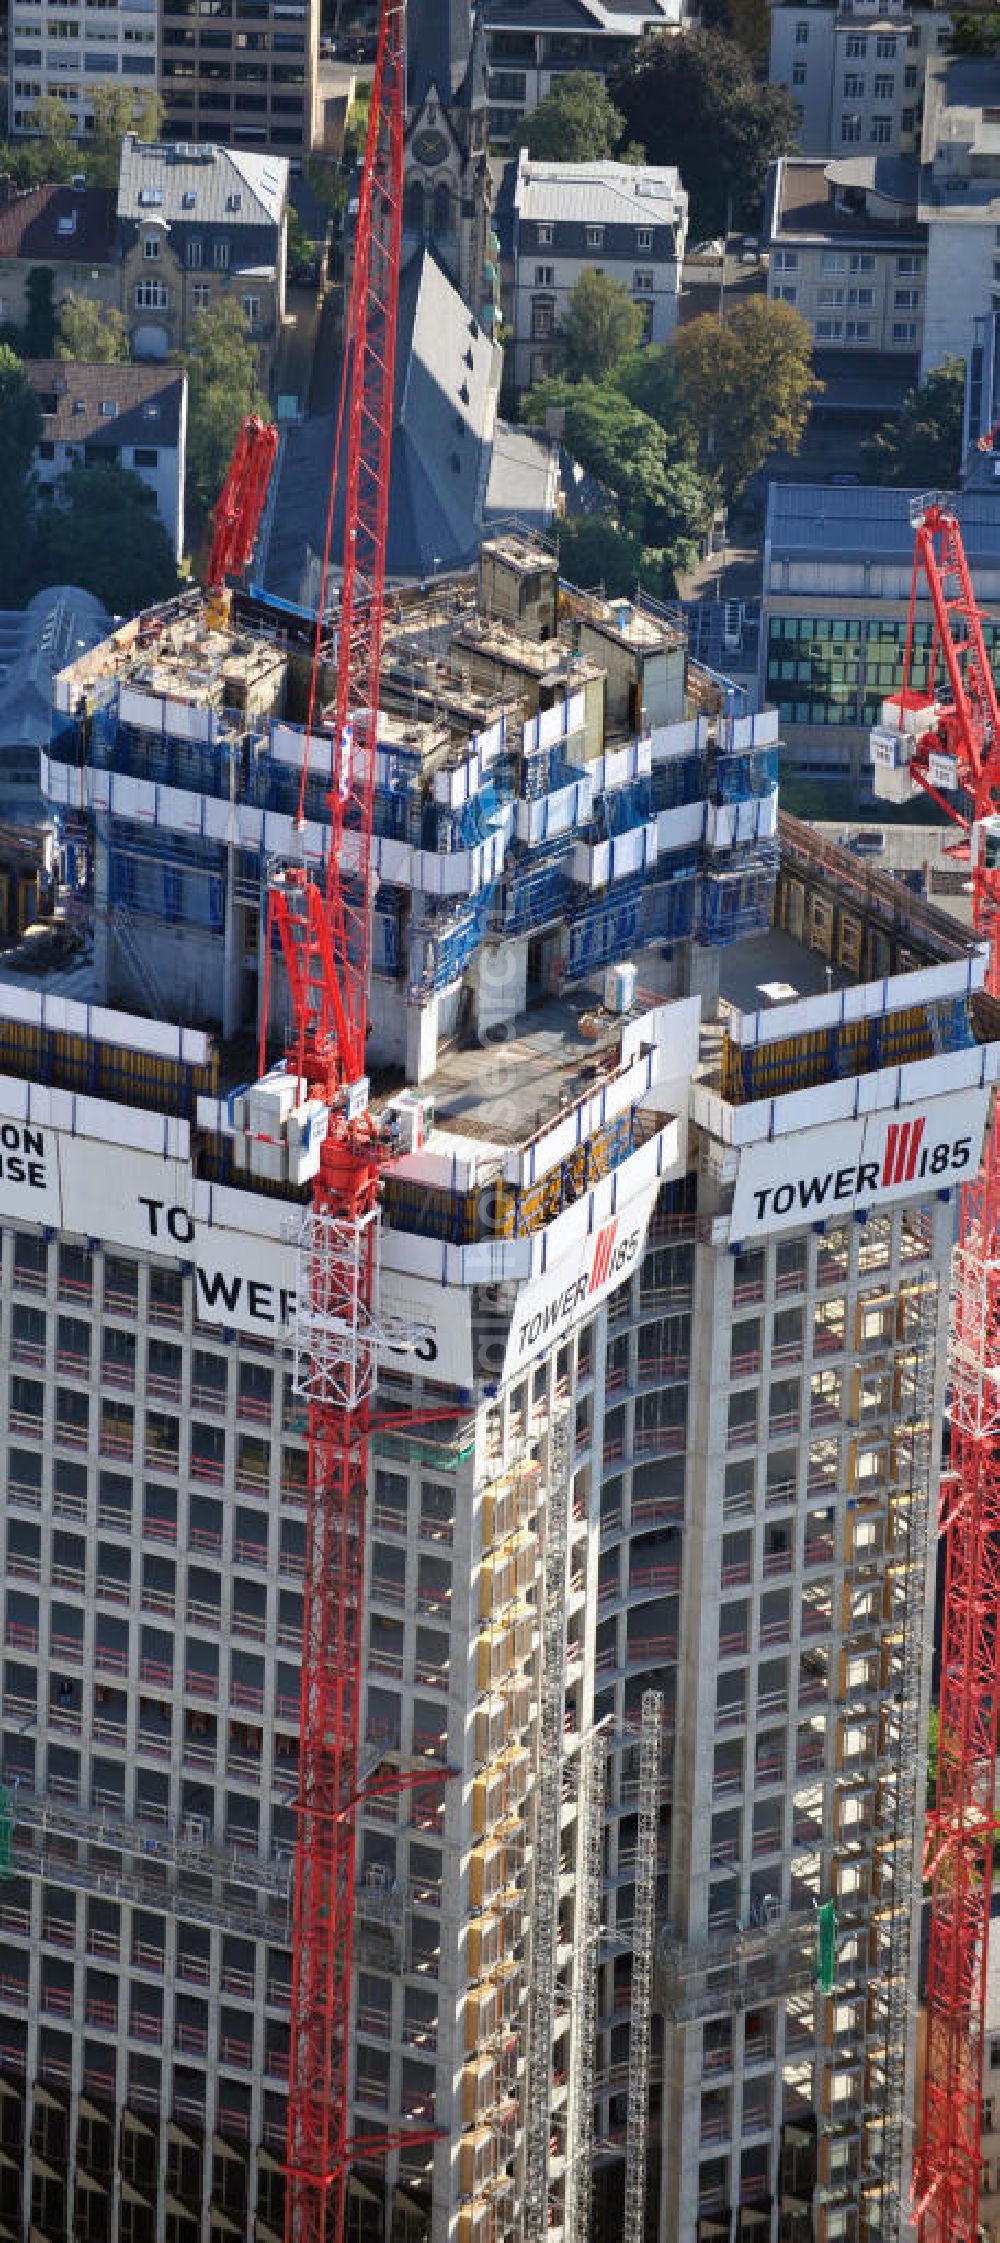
855	73
247	81
959	204
846	250
529	48
70	53
670	1476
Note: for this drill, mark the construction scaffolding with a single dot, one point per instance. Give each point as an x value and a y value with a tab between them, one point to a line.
640	2021
548	1825
592	1766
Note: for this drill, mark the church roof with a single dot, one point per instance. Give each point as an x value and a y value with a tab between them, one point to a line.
444	49
451	464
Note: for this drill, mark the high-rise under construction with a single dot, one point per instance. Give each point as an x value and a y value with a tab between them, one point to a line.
675	1102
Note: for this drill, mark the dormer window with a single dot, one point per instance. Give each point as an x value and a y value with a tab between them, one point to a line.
150	198
151	246
595	237
109	409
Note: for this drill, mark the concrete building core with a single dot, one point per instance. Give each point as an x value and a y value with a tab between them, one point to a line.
675	1101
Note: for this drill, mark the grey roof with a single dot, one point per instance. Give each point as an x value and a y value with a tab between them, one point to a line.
450	462
524	477
225	186
114	405
869	522
442	50
617	18
35	642
606	193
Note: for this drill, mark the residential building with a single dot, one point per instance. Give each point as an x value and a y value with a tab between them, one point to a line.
855	72
838	565
199	224
72	52
647	1585
530	46
247	78
70	232
628	221
125	416
847	249
959	203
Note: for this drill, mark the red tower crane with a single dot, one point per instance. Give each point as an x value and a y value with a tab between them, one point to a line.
236	517
323	926
954	725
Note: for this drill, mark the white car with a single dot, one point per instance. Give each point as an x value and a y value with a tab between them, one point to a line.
712	250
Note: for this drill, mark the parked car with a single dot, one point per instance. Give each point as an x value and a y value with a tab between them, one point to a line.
749	250
714	250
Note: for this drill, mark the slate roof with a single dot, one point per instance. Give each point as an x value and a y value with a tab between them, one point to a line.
618	17
450	459
146	401
60	225
439	47
198	184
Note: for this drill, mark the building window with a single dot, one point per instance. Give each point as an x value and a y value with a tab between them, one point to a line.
250	306
644	239
220	256
862	261
864	298
798	73
543	318
785	261
907	299
857	47
151	247
904	331
145	456
828	297
885	47
850	128
857	330
913	35
885	88
642	283
880	131
910	79
201	296
907	120
543	235
854	87
828	330
833	261
194	256
151	296
907	264
802	34
785	292
595	237
545	276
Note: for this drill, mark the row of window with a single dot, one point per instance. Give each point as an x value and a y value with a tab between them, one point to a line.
595	237
153	296
886	43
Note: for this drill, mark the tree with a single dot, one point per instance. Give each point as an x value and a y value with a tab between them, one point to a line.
601	326
54	153
594	552
91	333
663	501
746	21
974	34
744	389
118	110
577	123
924	446
693	100
101	531
222	377
20	431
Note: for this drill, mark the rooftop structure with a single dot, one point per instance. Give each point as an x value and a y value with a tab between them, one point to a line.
959	200
648	1540
846	249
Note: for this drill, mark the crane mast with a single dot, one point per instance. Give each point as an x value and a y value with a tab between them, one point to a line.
323	928
952	726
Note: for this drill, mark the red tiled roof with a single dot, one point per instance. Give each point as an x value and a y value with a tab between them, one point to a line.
29	225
